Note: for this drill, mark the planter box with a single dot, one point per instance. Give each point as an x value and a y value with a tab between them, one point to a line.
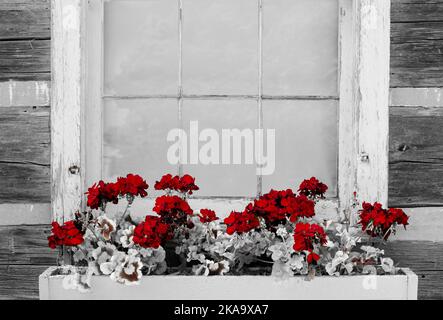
402	286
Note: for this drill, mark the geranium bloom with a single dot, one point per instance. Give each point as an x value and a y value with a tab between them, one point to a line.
167	182
275	206
172	209
207	215
377	221
133	185
185	184
66	235
241	222
306	235
101	193
312	188
272	206
150	233
300	206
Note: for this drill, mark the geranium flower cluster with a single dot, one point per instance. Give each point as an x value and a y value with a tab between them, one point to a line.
278	229
150	233
276	206
185	184
379	222
101	193
306	237
68	234
172	209
313	188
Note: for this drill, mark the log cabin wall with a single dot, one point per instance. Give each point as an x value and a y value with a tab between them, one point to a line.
416	141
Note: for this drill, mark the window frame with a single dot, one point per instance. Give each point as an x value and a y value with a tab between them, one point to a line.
364	35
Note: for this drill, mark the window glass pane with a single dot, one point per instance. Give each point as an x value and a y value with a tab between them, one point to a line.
220	46
141	47
223	179
300	47
134	138
306	142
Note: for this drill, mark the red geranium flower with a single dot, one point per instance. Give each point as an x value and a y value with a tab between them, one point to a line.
379	222
185	184
272	206
150	233
241	222
300	206
167	182
312	188
66	235
207	215
133	185
307	235
172	209
275	206
101	193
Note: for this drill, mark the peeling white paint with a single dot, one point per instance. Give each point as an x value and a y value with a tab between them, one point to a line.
369	16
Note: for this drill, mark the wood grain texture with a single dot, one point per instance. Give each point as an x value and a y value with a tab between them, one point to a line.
24	19
24	154
416	43
20	282
425	259
24	255
26	245
416	156
25	60
416	10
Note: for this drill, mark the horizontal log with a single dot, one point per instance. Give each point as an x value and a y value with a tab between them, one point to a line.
416	156
26	245
425	259
24	183
416	10
25	135
24	154
25	60
415	184
20	281
416	59
25	19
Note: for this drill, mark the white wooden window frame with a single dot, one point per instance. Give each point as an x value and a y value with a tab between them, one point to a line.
364	33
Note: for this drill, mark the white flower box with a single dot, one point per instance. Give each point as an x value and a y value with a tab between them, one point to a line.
402	286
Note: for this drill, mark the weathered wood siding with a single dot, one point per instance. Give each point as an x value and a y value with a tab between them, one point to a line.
416	128
24	108
25	40
416	43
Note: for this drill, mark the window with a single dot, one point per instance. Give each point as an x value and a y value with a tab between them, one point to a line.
306	68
